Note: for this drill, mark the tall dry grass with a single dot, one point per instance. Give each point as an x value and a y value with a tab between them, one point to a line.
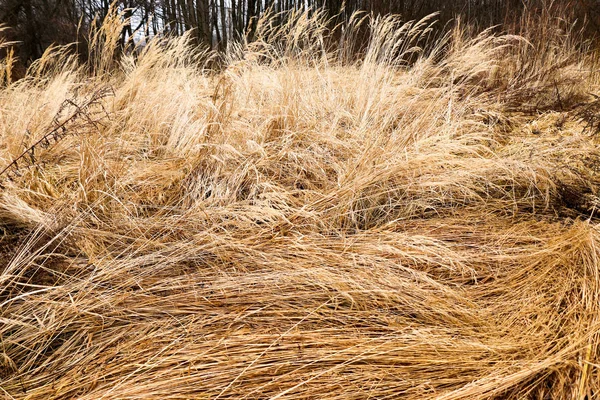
418	223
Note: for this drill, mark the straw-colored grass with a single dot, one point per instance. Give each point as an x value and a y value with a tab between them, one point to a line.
304	224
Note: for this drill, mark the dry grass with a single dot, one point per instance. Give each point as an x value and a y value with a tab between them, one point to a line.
302	226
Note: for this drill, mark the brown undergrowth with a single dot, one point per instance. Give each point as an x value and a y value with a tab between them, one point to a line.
303	226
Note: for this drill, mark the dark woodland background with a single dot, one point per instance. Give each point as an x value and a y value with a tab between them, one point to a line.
36	24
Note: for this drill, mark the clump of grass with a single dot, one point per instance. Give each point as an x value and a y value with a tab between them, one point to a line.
8	62
303	224
71	119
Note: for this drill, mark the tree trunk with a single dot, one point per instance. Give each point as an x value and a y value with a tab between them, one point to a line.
215	20
223	24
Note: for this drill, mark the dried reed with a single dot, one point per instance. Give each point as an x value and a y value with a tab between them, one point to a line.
304	224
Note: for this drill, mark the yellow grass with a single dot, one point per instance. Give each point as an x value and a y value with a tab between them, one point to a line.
304	224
